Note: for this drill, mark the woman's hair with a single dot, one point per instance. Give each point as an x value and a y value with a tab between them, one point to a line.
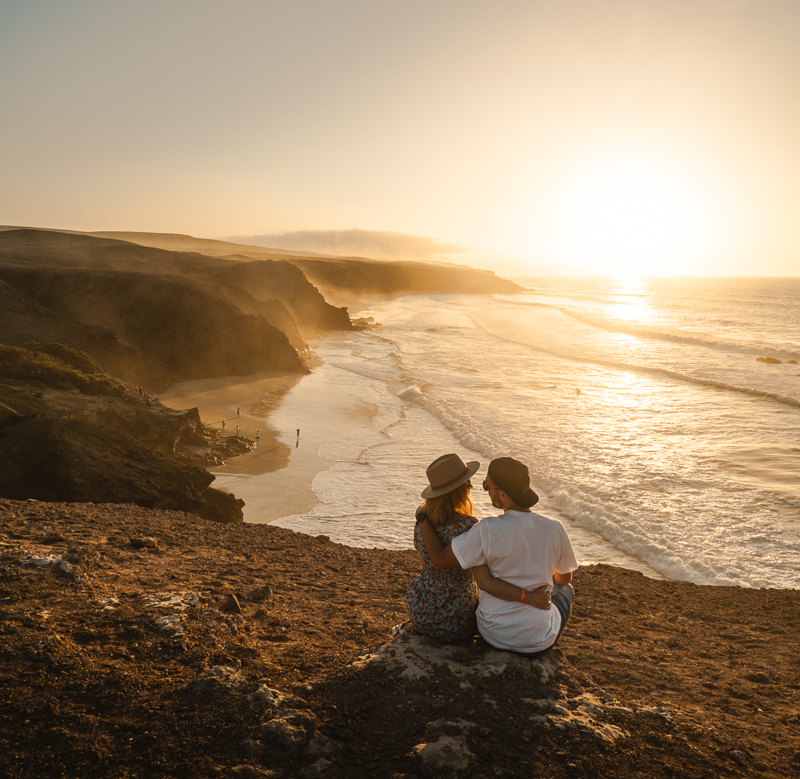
443	509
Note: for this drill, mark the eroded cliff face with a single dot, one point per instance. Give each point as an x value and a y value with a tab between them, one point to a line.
149	316
349	278
270	280
145	328
64	445
56	459
156	316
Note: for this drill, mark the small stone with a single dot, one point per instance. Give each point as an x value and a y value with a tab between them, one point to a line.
284	734
738	757
672	641
231	605
214	682
266	696
446	754
314	770
260	593
144	542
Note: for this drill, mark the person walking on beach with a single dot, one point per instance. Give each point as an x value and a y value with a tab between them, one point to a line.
522	549
441	601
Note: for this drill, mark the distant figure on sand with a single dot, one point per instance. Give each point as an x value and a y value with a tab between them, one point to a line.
237	431
523	549
258	435
238	411
223	424
442	603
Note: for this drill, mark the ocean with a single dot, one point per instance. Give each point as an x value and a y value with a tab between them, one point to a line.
651	429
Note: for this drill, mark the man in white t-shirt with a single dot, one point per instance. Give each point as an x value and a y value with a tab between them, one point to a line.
522	548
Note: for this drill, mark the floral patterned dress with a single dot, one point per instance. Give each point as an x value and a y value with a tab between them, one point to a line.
442	603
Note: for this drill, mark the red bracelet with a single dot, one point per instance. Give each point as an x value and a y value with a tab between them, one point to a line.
522	597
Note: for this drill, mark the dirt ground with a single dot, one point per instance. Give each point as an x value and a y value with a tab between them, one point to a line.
122	654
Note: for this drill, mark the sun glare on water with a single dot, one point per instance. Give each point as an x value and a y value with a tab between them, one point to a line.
633	215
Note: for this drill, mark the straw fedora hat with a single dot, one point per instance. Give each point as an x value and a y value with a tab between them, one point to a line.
446	473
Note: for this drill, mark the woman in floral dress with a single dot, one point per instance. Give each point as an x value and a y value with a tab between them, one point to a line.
441	604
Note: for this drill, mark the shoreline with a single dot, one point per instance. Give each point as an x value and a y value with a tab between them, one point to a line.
257	395
255	398
275	478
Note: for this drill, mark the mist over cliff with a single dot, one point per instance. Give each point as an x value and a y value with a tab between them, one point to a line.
156	309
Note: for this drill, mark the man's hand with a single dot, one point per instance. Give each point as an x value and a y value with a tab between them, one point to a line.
538	598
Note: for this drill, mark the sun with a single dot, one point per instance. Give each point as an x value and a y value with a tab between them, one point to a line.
632	214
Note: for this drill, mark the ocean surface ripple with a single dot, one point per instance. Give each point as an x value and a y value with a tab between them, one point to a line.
650	429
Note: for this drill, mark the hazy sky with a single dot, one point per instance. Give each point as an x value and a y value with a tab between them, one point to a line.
645	136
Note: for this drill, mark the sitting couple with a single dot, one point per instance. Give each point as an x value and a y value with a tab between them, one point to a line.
506	571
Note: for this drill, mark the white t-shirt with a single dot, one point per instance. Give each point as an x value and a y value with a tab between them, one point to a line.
524	549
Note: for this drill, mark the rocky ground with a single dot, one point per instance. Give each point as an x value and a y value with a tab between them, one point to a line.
142	643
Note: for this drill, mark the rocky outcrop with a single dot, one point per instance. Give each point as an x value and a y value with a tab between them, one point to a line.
161	429
120	614
49	458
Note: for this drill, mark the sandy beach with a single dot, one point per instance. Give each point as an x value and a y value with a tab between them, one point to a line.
275	478
244	402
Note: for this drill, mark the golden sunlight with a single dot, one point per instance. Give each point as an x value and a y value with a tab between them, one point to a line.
633	214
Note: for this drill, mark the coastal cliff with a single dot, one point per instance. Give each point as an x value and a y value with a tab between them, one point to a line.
156	316
69	433
92	326
149	316
147	631
340	278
